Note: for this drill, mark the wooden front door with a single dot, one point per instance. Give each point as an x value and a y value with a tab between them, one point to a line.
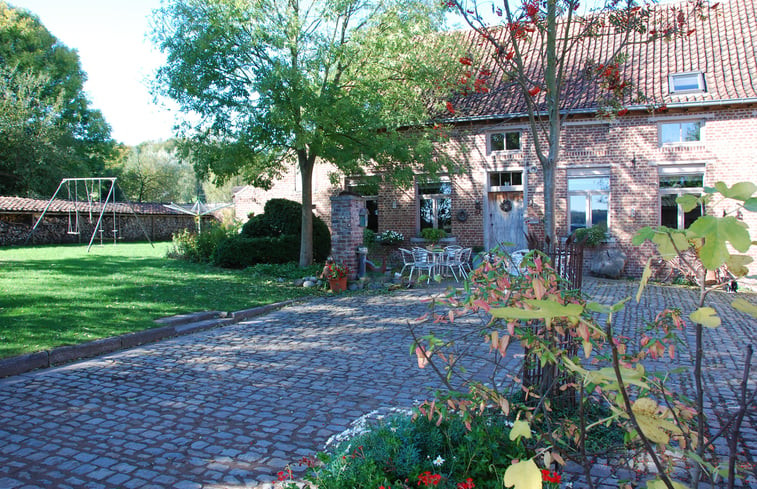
506	220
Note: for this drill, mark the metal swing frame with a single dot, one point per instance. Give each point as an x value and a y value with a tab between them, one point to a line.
110	198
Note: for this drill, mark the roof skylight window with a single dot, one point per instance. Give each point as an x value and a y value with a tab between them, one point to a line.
687	82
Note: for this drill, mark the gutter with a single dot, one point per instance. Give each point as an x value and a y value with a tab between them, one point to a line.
674	105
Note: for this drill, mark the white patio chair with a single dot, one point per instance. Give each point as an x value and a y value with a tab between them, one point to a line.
407	260
423	261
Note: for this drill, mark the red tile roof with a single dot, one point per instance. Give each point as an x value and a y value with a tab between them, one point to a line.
723	46
22	204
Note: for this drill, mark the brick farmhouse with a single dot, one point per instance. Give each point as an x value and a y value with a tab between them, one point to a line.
624	172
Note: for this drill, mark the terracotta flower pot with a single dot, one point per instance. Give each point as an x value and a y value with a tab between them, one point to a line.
338	284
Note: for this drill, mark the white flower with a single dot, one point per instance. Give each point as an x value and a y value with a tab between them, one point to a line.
438	461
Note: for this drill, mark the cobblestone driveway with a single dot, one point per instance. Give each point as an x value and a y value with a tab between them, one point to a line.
230	407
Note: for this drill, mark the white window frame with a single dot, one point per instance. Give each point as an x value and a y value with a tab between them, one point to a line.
589	173
680	122
687	77
682	171
504	133
435	198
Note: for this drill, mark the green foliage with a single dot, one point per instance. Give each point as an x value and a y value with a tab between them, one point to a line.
591	237
154	172
241	252
282	217
47	130
200	248
276	84
369	237
433	234
397	450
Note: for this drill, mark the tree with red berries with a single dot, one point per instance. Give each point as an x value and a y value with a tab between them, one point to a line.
553	59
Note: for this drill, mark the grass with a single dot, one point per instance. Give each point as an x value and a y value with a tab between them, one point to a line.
62	295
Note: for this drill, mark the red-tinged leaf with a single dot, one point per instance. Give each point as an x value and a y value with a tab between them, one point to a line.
503	343
672	351
423	318
539	287
482	304
587	348
468	426
534	91
493	340
451	315
692	31
420	353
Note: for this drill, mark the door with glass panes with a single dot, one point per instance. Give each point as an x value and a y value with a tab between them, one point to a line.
505	211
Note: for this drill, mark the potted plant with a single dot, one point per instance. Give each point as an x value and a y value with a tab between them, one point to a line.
336	274
390	237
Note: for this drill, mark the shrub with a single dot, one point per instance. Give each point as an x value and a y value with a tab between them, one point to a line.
241	251
591	237
369	237
390	237
432	234
403	452
200	248
283	217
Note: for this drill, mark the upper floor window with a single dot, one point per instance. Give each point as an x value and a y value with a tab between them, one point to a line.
686	82
680	132
504	141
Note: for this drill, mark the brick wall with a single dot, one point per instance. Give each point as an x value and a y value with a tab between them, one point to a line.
628	146
14	228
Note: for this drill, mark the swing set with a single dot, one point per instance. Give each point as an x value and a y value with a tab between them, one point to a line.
85	201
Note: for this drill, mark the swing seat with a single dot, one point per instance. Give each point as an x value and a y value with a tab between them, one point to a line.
73	232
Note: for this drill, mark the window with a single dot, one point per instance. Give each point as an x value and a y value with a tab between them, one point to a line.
588	200
673	183
686	82
504	141
368	187
680	132
435	205
506	179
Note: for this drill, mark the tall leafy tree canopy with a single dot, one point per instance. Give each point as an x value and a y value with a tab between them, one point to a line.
47	130
268	83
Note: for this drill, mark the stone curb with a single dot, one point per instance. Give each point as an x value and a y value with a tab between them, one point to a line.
180	325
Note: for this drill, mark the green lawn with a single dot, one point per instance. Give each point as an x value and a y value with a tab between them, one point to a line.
62	295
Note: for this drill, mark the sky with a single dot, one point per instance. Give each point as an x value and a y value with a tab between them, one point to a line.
112	38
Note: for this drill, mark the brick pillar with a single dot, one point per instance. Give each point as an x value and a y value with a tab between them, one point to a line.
346	233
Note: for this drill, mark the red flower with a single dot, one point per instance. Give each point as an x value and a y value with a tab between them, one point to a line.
532	8
551	476
429	479
534	91
450	108
623	111
466	61
468	484
509	55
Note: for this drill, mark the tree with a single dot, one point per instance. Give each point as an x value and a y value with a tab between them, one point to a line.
271	83
154	172
551	60
47	130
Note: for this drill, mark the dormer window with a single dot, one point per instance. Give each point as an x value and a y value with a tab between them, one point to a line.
687	83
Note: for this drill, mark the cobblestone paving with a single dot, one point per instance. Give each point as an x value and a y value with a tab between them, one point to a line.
228	408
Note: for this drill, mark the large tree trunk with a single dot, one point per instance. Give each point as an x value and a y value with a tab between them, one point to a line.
306	241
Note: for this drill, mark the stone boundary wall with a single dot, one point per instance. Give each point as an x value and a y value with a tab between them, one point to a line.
14	228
